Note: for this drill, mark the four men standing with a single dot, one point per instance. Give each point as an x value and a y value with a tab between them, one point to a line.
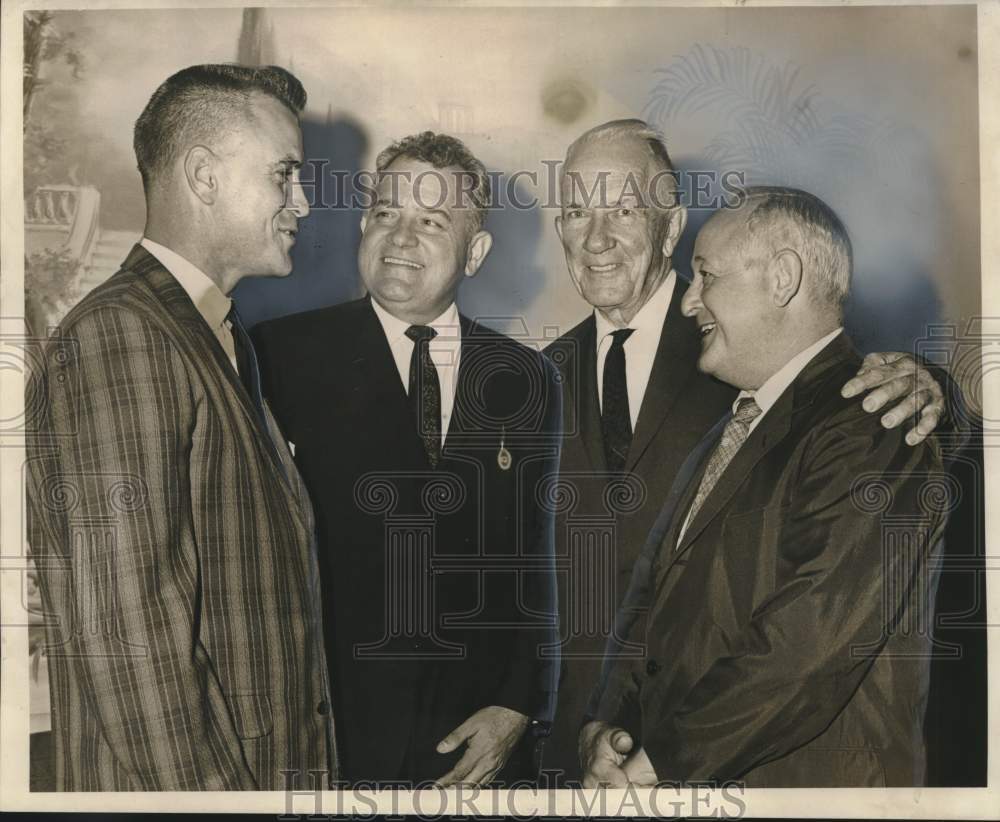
187	652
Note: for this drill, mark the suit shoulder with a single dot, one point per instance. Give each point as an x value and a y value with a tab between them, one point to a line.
838	421
120	313
331	321
574	334
122	291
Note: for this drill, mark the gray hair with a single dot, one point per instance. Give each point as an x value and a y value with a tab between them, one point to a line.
780	216
200	104
630	129
443	151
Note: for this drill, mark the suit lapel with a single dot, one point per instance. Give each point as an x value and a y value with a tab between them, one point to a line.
374	384
176	309
765	437
676	360
458	422
588	408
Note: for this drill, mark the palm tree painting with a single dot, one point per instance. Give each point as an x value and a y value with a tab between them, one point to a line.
775	125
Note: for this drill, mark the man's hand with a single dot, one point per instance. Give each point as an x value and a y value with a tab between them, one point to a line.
639	769
603	749
897	375
491	733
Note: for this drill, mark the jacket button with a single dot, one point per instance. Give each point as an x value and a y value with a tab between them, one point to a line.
323	708
652	667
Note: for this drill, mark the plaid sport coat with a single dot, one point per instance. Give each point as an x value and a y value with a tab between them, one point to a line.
176	557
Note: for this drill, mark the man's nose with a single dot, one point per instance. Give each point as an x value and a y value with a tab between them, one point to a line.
597	238
691	303
403	235
298	201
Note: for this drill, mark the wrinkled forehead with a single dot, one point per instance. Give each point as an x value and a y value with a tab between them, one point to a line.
610	173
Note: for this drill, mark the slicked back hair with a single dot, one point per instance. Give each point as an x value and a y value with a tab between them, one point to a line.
778	216
444	151
200	104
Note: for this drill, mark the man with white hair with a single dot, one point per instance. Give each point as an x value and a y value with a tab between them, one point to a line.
781	593
634	402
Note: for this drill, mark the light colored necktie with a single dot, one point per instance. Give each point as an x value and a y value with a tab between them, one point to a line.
733	436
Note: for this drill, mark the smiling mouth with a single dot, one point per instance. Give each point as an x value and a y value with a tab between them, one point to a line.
603	269
706	328
401	261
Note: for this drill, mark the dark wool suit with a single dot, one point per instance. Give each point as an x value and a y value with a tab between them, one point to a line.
603	526
175	552
787	634
439	581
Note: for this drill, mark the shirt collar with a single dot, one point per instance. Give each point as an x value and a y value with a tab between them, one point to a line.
649	317
207	297
767	395
446	324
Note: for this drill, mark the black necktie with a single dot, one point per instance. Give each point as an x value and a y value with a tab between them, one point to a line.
425	391
616	421
246	364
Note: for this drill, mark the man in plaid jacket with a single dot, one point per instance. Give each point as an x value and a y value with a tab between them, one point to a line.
173	537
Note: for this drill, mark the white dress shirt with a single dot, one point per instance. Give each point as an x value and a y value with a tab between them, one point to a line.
207	297
640	347
445	349
767	395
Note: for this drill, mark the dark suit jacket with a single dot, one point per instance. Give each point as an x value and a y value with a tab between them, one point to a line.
174	546
603	526
787	634
440	582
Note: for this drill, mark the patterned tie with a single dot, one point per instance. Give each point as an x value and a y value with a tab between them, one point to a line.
246	363
616	421
733	436
425	391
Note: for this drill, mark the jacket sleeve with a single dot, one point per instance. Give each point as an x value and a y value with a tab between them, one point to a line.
121	418
531	682
792	669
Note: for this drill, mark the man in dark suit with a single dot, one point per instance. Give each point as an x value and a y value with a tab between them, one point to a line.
634	401
426	441
784	597
173	537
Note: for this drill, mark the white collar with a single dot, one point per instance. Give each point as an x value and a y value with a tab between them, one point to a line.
767	395
649	317
207	297
446	324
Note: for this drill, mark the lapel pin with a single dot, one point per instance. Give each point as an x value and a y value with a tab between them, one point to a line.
503	455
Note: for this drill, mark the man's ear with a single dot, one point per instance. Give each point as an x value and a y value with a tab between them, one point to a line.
479	247
786	272
201	173
559	226
364	221
676	220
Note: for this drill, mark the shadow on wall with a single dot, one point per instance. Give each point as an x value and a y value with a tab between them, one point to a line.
890	310
324	258
510	279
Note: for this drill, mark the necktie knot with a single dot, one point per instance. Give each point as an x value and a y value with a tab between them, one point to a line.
618	336
747	410
417	333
